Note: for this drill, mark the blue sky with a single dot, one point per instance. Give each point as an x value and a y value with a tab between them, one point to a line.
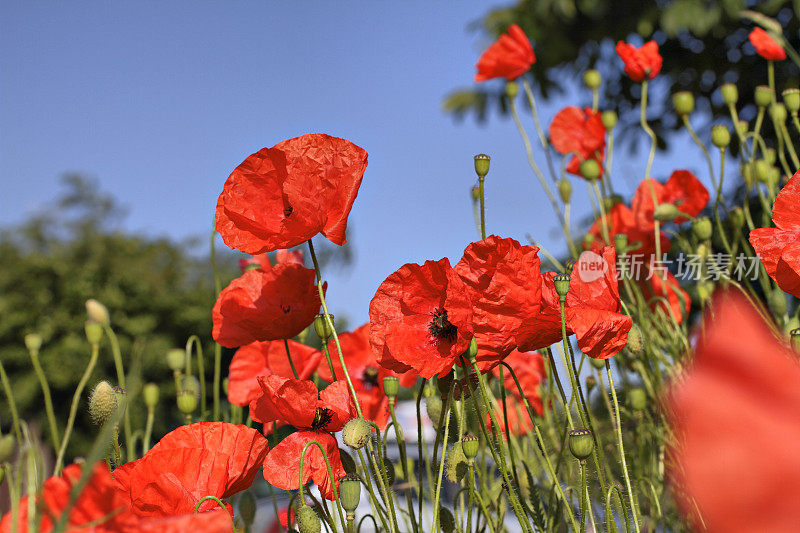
161	100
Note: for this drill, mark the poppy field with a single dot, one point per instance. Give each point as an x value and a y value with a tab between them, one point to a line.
646	379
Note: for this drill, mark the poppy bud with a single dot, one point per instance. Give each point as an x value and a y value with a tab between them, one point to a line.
791	97
702	229
97	312
588	239
589	169
324	331
447	524
433	405
470	445
720	136
591	382
561	282
187	402
665	213
355	433
730	93
609	119
191	384
581	443
456	463
7	443
741	127
592	79
94	332
637	399
764	96
777	302
33	342
620	243
349	493
103	403
476	193
247	507
512	89
176	359
472	351
778	112
348	463
150	394
795	333
599	364
122	398
683	102
565	190
391	386
482	165
737	217
635	343
307	520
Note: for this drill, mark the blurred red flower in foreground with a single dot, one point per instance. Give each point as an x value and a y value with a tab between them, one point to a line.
266	304
643	63
280	197
509	57
579	132
421	319
766	46
263	358
779	247
662	291
736	417
682	189
529	369
316	414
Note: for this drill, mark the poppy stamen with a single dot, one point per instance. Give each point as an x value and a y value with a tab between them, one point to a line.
370	376
441	328
322	418
286	309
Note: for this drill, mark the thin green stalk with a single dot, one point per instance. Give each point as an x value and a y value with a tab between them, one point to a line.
330	474
121	379
289	357
483	210
148	429
217	347
539	130
201	369
401	444
583	496
48	401
11	404
646	127
446	414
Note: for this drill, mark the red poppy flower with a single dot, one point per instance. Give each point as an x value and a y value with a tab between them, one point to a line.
682	189
213	521
592	309
578	132
529	369
265	305
282	196
766	46
203	459
509	57
315	414
643	63
779	247
621	219
662	291
421	319
736	418
506	285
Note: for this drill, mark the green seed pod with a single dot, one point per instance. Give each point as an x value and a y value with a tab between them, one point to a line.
665	213
324	331
730	93
778	112
599	364
764	96
512	90
94	332
795	333
741	127
191	384
97	312
773	177
589	169
637	399
702	228
349	493
433	405
720	136
151	393
561	282
456	463
7	444
307	520
33	342
391	386
103	403
187	402
348	463
777	302
247	507
635	343
609	119
176	359
683	102
356	432
592	79
447	522
621	243
482	165
470	445
565	190
581	443
791	98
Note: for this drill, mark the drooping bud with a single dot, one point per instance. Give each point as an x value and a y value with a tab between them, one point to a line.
589	169
391	386
778	112
7	444
621	243
637	399
730	93
187	402
97	312
447	523
475	192
323	329
592	79
247	507
33	341
791	97
512	90
103	403
591	383
581	443
433	405
702	228
350	493
482	165
777	302
683	102
609	119
456	463
635	343
94	332
665	213
764	96
472	351
151	392
470	445
720	136
356	432
348	463
308	520
565	190
176	359
561	282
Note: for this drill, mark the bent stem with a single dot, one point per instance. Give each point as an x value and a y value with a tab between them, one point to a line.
330	474
11	404
48	401
201	369
121	379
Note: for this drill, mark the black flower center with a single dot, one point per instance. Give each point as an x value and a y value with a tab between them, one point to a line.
322	418
286	309
287	210
439	327
370	376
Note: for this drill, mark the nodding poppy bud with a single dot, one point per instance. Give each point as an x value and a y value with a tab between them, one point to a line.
741	127
777	302
7	443
637	399
592	79
176	359
665	212
565	190
324	331
720	136
97	312
433	405
561	282
795	333
456	463
191	384
620	243
151	393
470	445
445	383
94	332
348	463
635	343
447	522
589	169
355	433
581	443
609	119
33	342
702	229
778	112
482	165
512	90
103	403
764	96
588	239
591	382
247	507
307	520
476	193
599	364
737	217
391	386
350	493
730	93
683	102
472	351
187	402
791	97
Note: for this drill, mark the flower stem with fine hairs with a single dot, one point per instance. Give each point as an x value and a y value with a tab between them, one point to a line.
121	379
621	448
48	401
401	444
330	474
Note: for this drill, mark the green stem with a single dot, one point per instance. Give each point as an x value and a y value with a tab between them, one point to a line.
330	474
148	429
11	404
583	496
483	211
217	347
401	444
48	401
121	379
446	414
646	127
289	357
201	369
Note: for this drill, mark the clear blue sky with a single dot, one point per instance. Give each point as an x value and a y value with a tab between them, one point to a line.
161	100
